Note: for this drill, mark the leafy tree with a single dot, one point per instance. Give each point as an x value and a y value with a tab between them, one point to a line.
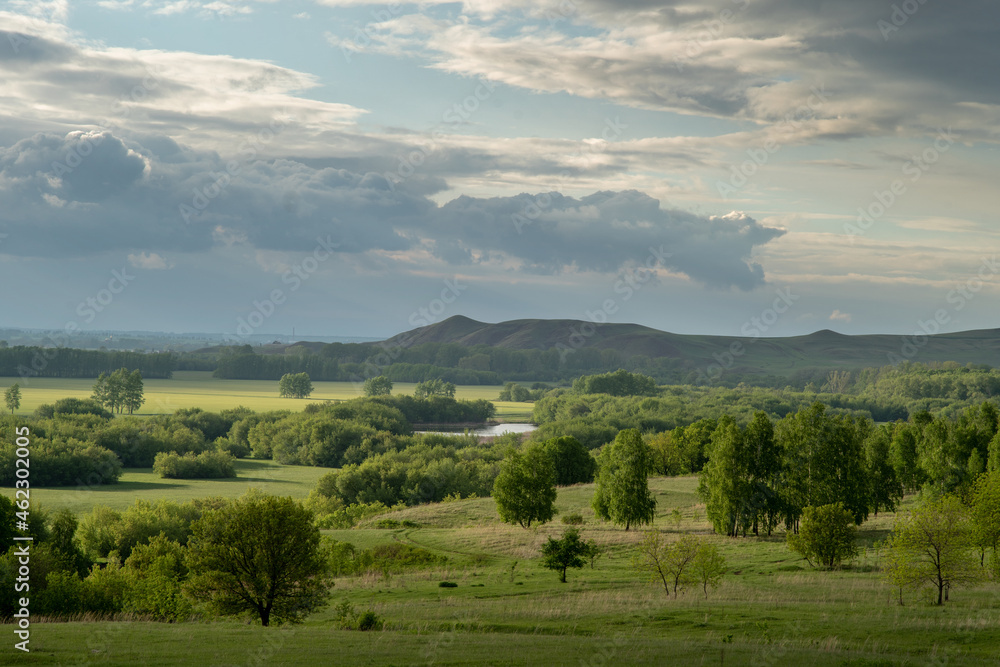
435	387
622	494
12	397
566	552
618	383
826	535
724	481
573	463
708	566
295	385
525	489
378	386
884	488
259	554
985	517
132	391
120	390
62	539
514	392
933	545
670	562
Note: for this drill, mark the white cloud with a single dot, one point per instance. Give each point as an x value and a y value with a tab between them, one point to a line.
837	315
150	261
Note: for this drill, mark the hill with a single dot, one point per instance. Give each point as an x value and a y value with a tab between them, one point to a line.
714	354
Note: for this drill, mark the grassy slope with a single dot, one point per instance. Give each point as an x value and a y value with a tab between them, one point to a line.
770	610
188	389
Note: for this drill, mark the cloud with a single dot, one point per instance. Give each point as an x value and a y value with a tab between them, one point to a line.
837	315
158	196
149	261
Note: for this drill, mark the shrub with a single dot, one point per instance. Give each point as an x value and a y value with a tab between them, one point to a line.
207	465
573	519
447	584
826	535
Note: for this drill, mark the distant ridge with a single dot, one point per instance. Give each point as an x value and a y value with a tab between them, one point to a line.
778	356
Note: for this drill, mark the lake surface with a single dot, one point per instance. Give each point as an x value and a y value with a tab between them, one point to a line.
491	430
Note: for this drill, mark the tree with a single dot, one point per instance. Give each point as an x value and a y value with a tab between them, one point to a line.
295	385
259	554
378	386
985	517
573	463
566	552
933	546
525	489
826	535
708	566
622	494
670	562
724	481
132	391
884	488
435	387
515	393
12	397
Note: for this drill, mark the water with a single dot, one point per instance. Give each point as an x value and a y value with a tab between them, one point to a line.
491	430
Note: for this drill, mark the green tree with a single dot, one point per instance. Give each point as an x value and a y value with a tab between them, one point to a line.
12	397
573	463
379	385
295	385
669	562
62	539
435	387
622	494
259	554
525	488
933	545
566	552
724	481
120	390
514	392
985	517
884	488
826	535
708	566
132	391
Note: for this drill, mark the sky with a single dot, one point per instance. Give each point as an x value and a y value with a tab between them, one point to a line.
356	168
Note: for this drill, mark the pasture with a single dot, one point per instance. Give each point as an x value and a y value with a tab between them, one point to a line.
198	389
770	609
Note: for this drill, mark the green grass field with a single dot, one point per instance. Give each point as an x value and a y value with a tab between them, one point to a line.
771	608
190	389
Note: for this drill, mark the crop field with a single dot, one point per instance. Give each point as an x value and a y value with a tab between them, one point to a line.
770	609
190	389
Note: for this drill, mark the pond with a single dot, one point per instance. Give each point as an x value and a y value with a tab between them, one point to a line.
491	430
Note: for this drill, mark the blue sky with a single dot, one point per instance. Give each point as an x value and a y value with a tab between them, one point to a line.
350	168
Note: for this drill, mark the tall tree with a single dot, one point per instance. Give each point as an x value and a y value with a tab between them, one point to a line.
525	488
724	481
378	386
884	488
985	517
295	385
132	391
763	473
12	397
573	463
259	554
622	494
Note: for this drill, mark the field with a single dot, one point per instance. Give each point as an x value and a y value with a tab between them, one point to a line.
190	389
771	608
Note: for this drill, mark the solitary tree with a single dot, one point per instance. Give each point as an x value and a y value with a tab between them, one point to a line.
378	386
259	554
132	390
566	552
573	461
826	535
435	387
12	397
670	562
119	391
933	545
525	489
708	566
295	385
622	494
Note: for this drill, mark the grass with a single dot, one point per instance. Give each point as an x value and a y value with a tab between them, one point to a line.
771	608
271	477
188	389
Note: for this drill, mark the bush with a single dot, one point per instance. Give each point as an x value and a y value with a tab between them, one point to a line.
573	519
207	465
447	584
826	535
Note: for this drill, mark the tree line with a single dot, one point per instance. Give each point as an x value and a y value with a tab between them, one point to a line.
65	362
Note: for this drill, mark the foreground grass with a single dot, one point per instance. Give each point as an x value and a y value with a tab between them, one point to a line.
771	609
189	389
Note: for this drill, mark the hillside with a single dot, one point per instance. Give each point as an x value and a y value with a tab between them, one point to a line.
778	356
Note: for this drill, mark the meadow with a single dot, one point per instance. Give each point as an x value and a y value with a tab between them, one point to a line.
770	609
198	389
